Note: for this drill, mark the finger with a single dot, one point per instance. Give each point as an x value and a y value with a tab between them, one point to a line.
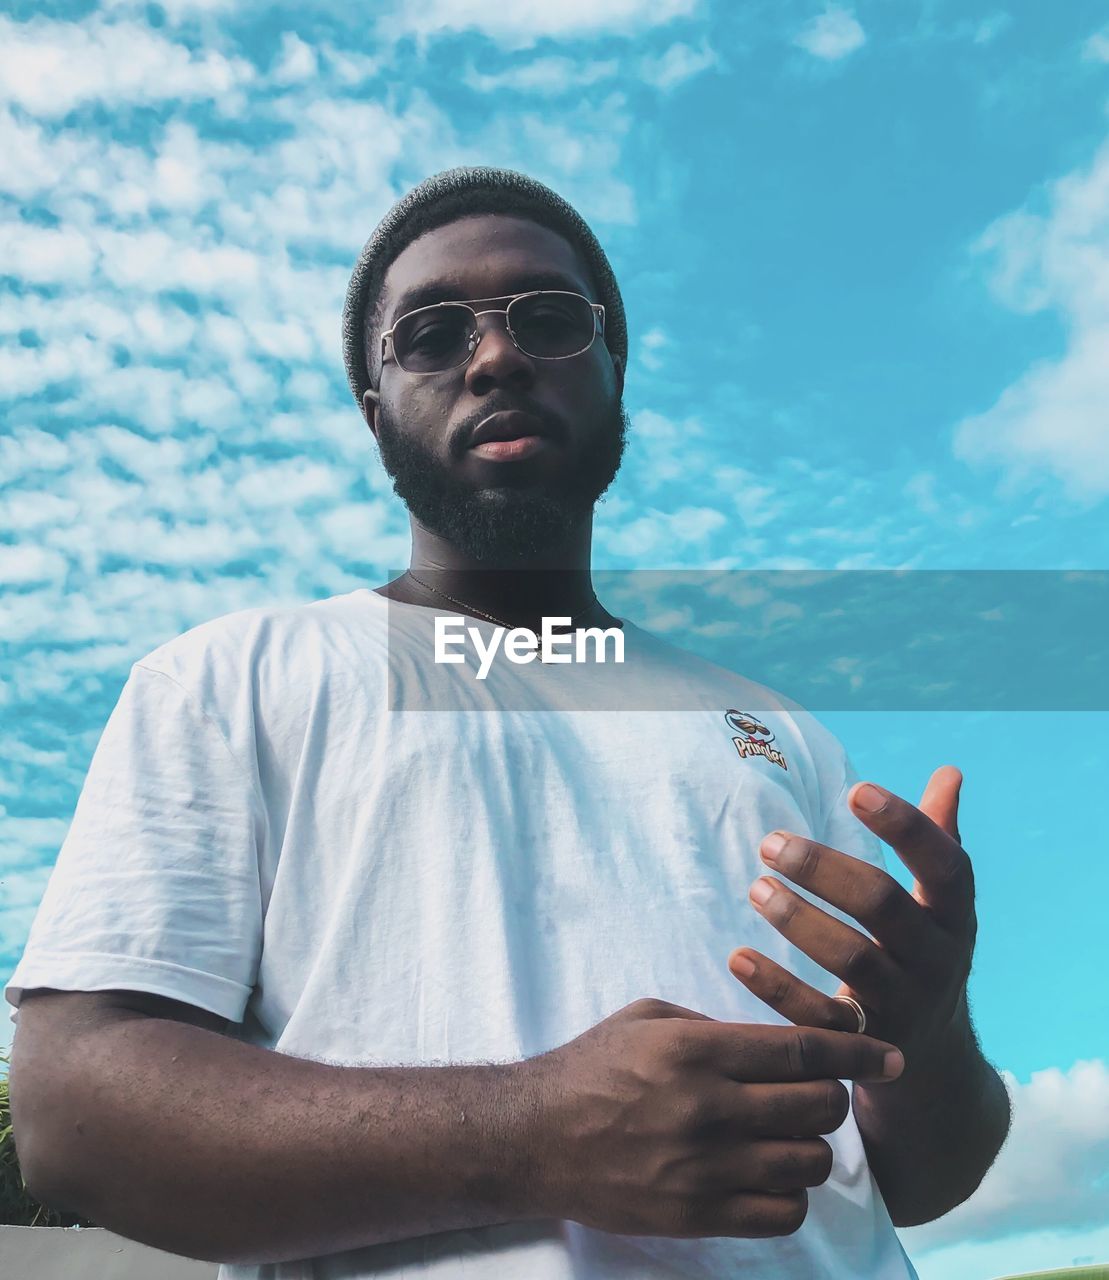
753	1215
940	866
807	1108
774	1165
835	946
760	1054
940	800
786	994
869	894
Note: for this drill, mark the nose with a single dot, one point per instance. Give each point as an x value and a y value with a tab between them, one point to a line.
497	358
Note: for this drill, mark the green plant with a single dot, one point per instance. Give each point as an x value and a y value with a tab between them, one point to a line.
1097	1272
18	1207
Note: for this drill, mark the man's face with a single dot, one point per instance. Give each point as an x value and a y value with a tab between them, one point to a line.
497	511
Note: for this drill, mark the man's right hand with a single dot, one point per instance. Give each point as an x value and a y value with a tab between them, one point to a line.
662	1121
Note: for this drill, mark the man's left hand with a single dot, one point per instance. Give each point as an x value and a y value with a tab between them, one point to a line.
910	975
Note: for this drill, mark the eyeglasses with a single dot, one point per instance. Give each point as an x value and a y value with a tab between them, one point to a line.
547	324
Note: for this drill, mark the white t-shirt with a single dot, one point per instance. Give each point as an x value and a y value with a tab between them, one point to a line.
273	831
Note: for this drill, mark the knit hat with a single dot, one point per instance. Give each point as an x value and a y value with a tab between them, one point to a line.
452	194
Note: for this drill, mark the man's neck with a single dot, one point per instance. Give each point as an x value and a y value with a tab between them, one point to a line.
520	594
514	597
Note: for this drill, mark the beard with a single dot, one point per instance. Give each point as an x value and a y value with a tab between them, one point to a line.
502	524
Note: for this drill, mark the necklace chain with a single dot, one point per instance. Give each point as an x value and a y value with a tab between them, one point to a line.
488	616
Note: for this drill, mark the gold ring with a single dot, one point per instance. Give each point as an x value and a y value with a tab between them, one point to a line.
858	1010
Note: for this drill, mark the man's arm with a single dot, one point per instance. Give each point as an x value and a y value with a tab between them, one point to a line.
931	1135
183	1139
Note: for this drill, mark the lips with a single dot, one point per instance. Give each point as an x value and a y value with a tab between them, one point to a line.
508	424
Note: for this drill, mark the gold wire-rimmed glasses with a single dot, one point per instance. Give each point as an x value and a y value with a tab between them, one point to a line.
545	324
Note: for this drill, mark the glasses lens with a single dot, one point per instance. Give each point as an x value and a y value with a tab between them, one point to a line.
433	339
549	325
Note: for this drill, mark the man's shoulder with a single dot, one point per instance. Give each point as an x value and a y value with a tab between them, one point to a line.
263	639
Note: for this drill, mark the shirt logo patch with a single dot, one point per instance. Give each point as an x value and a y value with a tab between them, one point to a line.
754	737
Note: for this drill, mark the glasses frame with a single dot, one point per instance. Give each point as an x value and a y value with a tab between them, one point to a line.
475	337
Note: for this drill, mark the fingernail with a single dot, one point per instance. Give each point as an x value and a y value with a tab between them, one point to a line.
870	798
893	1064
742	965
762	891
773	845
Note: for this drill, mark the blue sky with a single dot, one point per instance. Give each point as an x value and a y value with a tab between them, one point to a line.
864	252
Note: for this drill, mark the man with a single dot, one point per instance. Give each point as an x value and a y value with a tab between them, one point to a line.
350	957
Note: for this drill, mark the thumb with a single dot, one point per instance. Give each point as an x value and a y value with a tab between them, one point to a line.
940	800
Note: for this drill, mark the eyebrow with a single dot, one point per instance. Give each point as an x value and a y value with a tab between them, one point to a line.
432	291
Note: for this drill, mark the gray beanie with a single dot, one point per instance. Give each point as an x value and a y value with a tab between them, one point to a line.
455	193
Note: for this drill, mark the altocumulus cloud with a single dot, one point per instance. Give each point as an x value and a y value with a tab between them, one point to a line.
524	23
556	76
1096	47
52	67
1053	255
831	35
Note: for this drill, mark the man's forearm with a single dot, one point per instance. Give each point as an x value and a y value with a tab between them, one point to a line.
201	1145
931	1135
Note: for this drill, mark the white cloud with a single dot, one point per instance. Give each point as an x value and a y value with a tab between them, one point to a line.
175	10
676	65
34	157
1050	1173
45	255
1053	417
831	35
664	449
755	501
21	512
555	75
23	565
581	152
990	28
353	528
1096	47
546	76
351	68
296	61
290	484
23	888
651	345
82	177
153	259
25	453
524	23
52	67
656	535
32	833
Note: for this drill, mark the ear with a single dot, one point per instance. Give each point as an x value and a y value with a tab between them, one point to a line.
370	399
618	365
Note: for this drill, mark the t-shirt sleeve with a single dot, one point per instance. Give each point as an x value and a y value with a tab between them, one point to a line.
156	886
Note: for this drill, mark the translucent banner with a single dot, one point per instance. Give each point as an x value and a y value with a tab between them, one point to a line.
850	640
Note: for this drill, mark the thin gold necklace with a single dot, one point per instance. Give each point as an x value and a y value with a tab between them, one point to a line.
488	616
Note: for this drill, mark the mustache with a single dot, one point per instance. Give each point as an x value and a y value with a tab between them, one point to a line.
552	426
